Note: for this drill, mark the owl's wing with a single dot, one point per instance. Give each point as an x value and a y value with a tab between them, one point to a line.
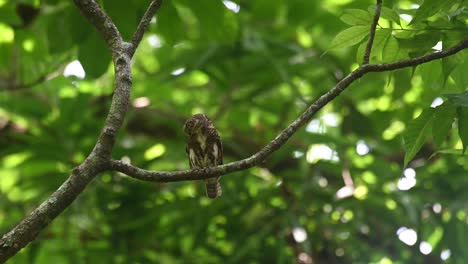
188	155
219	144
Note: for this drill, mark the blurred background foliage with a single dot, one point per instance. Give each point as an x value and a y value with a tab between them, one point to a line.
337	192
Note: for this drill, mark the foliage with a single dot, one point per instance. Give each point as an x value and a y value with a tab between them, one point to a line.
386	154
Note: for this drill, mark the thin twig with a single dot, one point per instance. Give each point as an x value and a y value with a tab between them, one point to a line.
283	137
370	42
143	25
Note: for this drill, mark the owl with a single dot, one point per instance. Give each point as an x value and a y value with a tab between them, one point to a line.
204	149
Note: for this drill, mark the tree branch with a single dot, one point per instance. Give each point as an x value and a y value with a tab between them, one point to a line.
283	137
102	22
98	160
370	42
143	25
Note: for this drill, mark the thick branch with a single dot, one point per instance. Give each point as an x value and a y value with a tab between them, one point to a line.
282	138
28	229
370	42
143	25
98	160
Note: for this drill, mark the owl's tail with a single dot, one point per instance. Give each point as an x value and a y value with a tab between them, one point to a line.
213	188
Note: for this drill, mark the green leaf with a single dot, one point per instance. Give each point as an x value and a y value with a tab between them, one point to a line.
169	23
391	50
124	15
356	17
389	14
349	37
432	75
9	16
420	43
58	33
458	99
444	116
381	37
94	56
462	115
416	134
429	8
450	63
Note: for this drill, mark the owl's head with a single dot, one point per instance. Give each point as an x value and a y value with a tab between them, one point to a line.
194	124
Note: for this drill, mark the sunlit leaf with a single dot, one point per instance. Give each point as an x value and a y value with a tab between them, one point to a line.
444	116
458	99
462	116
429	8
390	14
416	134
355	17
349	37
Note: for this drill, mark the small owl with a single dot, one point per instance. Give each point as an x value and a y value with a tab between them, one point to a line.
204	149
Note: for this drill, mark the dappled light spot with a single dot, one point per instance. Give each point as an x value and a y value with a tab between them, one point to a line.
339	252
408	180
461	215
390	204
74	68
113	205
425	248
369	177
437	208
319	152
299	234
445	254
28	45
330	119
154	41
155	151
298	154
347	216
361	192
385	260
231	6
438	46
141	102
305	258
335	216
407	235
406	17
410	173
437	101
405	183
126	159
362	148
395	128
322	182
344	192
314	126
187	190
198	78
327	208
127	142
7	33
178	71
304	38
364	229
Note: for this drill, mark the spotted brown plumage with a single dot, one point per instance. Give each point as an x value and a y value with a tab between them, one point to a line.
204	149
